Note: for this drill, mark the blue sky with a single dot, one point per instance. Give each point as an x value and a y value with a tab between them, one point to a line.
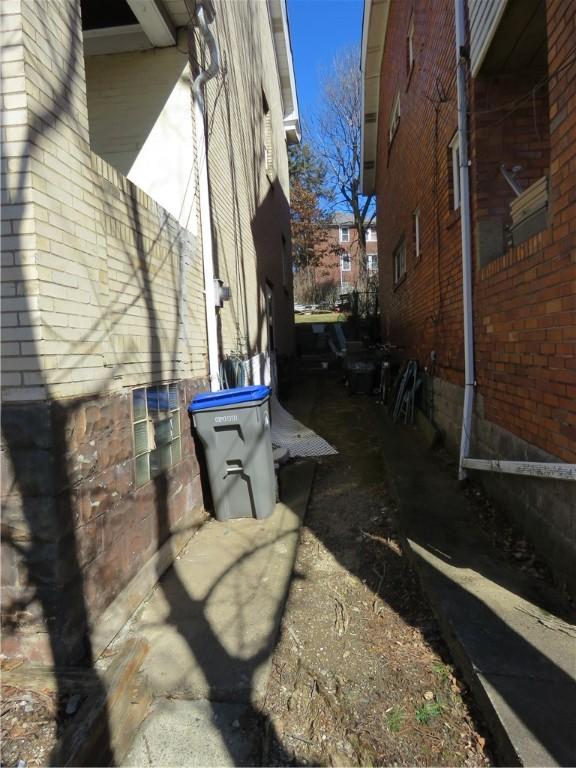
319	28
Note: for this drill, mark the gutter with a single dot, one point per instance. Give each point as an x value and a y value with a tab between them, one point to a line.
545	470
204	15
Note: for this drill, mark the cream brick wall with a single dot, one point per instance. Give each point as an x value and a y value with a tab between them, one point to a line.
20	317
95	264
249	212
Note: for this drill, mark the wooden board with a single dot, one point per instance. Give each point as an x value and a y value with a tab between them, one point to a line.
108	720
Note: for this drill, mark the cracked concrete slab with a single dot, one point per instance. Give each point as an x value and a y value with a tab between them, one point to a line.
513	638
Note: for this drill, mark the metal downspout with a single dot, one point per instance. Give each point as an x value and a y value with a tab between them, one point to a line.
204	15
465	224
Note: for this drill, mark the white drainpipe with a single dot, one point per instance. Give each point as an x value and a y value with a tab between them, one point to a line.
545	470
466	236
204	15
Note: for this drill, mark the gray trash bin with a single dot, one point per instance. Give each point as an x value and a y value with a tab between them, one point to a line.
234	428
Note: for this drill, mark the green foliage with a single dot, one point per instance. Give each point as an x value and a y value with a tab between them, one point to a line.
306	169
442	671
428	711
394	719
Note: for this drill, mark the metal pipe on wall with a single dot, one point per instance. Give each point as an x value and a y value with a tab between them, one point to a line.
204	15
466	230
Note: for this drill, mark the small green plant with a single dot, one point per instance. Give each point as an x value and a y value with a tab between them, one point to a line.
428	711
443	671
394	719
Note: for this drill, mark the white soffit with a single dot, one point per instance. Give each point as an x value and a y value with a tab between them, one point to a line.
129	37
283	49
155	22
373	39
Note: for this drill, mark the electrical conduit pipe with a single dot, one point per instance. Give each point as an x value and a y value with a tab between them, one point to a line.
205	15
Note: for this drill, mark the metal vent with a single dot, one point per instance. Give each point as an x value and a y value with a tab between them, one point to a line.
370	117
369	165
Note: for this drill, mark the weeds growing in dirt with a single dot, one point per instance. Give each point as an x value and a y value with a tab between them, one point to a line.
394	719
443	671
428	711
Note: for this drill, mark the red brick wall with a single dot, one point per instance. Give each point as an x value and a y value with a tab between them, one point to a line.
525	321
524	300
423	313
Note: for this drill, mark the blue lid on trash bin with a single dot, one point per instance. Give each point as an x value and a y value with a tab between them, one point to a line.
225	397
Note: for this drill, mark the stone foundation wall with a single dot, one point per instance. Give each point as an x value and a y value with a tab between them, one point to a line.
75	528
543	509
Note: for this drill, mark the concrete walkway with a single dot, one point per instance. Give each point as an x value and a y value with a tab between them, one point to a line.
513	639
212	624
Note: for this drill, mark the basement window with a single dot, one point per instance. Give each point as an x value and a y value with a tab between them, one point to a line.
156	430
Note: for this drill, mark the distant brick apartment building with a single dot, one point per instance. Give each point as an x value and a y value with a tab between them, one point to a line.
521	86
340	266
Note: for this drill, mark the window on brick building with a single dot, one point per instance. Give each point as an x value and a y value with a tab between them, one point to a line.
345	262
454	159
410	45
416	232
372	262
399	261
371	235
394	118
156	430
344	234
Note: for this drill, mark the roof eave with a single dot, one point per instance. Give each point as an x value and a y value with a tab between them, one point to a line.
373	39
285	65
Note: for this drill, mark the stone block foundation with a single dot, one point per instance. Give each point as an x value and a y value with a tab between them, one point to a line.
75	528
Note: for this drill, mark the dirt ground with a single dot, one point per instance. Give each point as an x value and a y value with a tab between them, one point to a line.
361	675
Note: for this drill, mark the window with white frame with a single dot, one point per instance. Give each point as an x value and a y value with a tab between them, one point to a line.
344	234
156	430
345	262
454	156
416	232
410	45
394	118
399	261
372	262
371	235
